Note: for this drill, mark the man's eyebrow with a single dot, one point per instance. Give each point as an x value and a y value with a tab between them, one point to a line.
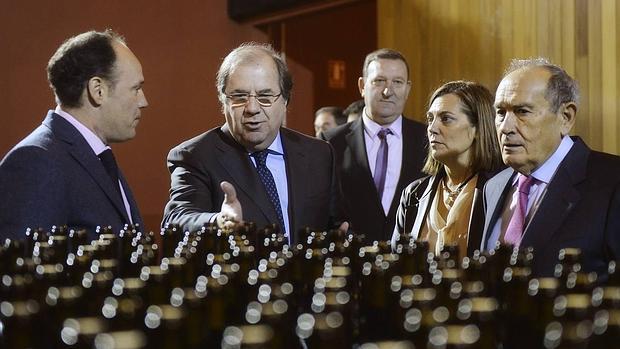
265	90
238	91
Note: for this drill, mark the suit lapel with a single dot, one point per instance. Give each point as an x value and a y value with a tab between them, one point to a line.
410	163
355	142
560	198
297	174
133	205
495	194
236	162
84	155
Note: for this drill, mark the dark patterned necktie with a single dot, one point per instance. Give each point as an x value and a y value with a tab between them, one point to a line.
109	163
270	185
381	163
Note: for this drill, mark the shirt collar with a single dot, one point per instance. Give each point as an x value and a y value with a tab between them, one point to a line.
276	146
546	171
91	138
372	128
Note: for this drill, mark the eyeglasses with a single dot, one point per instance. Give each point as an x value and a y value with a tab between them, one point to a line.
242	99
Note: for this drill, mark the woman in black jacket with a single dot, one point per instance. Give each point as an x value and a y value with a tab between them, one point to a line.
445	208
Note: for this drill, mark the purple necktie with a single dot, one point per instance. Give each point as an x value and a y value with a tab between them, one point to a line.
514	232
270	185
381	163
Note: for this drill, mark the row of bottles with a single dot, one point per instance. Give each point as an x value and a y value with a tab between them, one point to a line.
246	288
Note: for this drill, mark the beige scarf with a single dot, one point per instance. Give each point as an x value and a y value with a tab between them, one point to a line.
448	219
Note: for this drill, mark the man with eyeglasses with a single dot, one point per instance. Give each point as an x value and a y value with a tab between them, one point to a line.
252	168
380	153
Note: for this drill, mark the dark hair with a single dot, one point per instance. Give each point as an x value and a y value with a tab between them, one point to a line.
561	87
384	53
336	112
251	51
354	108
79	59
477	102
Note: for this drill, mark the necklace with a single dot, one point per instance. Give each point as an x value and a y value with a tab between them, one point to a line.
453	194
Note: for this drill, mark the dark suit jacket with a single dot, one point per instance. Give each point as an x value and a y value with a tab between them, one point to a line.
362	202
198	165
415	203
581	208
53	177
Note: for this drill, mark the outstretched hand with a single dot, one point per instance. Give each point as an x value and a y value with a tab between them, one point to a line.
231	212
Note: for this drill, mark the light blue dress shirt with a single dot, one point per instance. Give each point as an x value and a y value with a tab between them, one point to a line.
277	165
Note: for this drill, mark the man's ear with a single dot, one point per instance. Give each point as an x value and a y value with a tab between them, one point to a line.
360	85
97	90
567	113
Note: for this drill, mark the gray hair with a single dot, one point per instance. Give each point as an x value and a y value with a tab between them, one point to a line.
251	51
561	88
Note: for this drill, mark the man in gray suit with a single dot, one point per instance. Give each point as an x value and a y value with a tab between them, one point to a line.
252	168
556	193
64	172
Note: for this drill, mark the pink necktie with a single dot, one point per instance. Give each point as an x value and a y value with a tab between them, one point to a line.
514	232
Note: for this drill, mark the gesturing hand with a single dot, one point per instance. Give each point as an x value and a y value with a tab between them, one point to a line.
231	212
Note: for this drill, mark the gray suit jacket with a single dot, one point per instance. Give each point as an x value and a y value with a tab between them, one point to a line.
198	165
362	202
581	208
53	177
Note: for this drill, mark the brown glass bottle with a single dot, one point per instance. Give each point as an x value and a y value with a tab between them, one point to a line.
248	337
165	327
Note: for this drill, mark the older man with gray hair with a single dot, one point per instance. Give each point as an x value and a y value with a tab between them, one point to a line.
252	168
556	193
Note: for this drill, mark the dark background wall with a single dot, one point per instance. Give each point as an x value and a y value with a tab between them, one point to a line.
180	45
344	34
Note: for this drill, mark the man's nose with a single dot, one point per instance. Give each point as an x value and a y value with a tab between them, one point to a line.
143	102
507	125
252	107
387	91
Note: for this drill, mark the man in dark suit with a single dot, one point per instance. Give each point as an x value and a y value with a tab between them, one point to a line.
375	168
252	168
327	118
556	193
63	173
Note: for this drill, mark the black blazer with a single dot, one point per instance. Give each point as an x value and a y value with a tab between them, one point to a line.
53	177
415	203
199	165
362	202
581	208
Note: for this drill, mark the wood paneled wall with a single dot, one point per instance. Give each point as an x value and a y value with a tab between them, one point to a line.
475	39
